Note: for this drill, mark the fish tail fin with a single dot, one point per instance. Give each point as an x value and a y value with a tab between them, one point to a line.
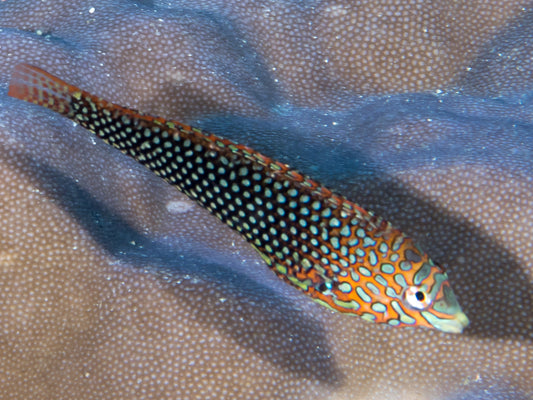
34	85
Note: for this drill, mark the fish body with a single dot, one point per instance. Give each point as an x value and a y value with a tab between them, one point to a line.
344	257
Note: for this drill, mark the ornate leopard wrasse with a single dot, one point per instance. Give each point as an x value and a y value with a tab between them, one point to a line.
341	255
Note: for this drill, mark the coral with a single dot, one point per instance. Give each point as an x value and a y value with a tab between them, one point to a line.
114	285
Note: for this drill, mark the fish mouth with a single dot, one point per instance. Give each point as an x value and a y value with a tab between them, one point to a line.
455	324
446	314
458	320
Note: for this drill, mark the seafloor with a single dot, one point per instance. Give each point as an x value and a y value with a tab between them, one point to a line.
115	286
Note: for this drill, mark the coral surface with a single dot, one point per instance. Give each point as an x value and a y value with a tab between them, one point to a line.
115	285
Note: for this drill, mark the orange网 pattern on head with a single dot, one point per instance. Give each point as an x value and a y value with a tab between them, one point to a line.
341	255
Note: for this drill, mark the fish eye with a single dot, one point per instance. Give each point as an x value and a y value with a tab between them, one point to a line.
417	297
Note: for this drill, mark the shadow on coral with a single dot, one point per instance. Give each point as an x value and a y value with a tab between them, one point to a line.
267	315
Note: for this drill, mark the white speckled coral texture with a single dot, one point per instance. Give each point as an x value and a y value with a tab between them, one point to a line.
113	285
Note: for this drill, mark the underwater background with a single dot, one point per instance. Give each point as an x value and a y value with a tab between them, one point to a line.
115	285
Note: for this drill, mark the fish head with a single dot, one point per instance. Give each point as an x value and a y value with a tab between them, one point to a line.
428	299
391	280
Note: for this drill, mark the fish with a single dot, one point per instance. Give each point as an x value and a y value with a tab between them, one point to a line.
344	257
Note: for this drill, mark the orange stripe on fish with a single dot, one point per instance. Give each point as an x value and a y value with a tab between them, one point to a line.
341	255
